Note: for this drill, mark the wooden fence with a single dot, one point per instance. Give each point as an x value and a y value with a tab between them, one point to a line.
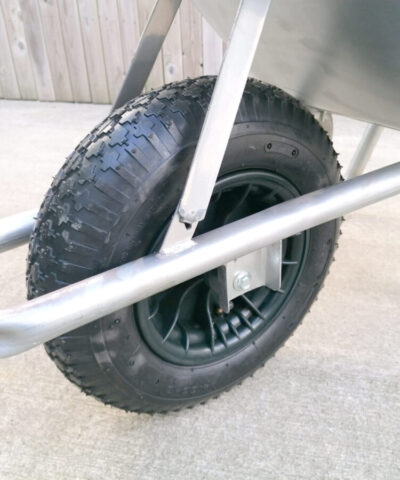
79	50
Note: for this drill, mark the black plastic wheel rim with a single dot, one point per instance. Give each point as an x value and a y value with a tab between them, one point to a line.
184	325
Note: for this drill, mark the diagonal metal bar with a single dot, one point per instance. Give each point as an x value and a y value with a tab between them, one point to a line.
214	137
149	47
365	149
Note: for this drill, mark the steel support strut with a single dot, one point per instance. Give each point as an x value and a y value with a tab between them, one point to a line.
149	47
220	117
58	312
371	135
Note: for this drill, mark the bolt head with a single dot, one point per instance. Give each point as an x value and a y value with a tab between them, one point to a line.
242	281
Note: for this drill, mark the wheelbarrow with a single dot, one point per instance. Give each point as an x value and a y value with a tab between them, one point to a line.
188	234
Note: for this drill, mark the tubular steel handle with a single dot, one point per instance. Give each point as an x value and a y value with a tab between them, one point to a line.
55	313
15	230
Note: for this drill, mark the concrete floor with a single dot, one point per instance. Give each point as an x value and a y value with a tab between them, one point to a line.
327	406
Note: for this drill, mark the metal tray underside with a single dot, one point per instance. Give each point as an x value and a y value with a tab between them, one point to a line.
337	55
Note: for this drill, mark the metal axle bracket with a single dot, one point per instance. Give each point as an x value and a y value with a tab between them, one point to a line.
261	268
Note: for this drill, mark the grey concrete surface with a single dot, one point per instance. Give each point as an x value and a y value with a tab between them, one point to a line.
327	406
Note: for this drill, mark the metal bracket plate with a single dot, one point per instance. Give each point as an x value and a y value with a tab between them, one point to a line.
257	269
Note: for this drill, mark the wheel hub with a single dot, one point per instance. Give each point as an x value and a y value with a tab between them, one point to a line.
185	325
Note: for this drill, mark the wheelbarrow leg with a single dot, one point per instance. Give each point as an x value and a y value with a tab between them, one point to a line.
214	137
370	137
150	44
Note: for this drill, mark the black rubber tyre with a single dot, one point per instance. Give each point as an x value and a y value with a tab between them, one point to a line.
109	203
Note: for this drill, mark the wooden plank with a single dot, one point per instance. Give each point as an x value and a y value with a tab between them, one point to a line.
130	29
192	40
172	52
71	29
37	49
8	77
93	51
112	47
212	50
156	77
19	51
54	42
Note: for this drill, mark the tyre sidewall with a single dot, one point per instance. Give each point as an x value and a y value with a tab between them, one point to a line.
116	340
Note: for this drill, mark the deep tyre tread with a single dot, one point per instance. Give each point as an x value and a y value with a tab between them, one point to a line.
110	198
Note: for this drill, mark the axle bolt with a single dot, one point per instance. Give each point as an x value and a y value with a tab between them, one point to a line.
242	281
